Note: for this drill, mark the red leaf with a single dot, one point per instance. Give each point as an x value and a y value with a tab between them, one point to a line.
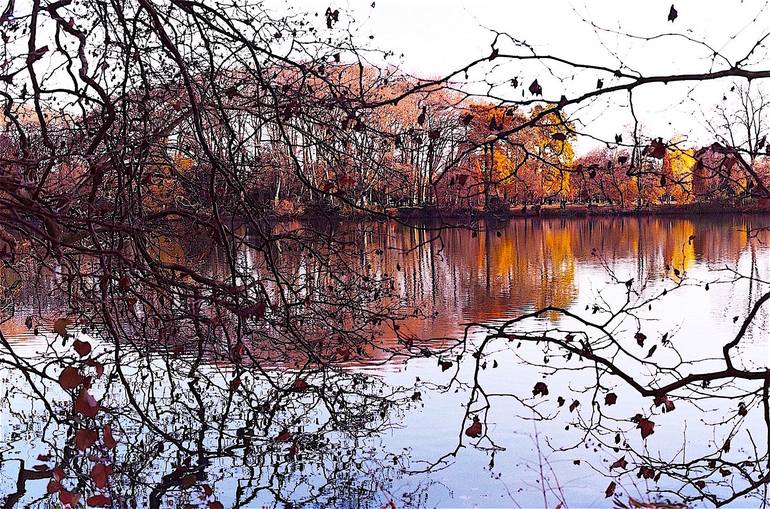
60	327
535	88
621	463
672	14
646	472
610	398
53	487
293	451
83	348
574	405
85	438
57	474
99	474
540	388
107	439
68	498
99	501
283	436
610	490
299	385
668	405
216	505
86	405
98	366
70	378
640	338
656	149
474	430
646	426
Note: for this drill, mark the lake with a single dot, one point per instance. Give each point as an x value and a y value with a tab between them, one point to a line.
687	276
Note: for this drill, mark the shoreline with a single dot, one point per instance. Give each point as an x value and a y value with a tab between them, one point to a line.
546	211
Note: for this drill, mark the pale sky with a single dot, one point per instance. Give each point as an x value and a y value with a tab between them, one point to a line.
437	36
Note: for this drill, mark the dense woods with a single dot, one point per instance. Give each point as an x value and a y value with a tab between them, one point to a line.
408	144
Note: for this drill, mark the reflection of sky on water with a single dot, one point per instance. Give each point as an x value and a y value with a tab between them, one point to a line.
487	277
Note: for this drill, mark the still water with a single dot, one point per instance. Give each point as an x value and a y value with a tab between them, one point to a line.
455	277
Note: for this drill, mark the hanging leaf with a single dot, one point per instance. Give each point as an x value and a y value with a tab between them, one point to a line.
86	405
107	438
474	430
656	149
672	14
299	385
82	348
535	88
60	327
540	389
645	472
621	463
646	426
99	474
98	366
85	438
70	378
69	498
99	501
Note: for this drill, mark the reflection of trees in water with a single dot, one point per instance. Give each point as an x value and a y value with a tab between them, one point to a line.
492	271
477	274
192	438
200	391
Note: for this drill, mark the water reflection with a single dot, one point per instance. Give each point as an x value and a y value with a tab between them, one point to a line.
351	437
494	271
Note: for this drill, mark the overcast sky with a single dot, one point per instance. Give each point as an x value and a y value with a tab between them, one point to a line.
430	38
438	36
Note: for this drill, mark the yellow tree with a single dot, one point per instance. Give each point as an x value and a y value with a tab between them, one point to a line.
677	177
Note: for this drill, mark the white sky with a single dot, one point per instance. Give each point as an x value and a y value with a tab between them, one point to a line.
437	36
